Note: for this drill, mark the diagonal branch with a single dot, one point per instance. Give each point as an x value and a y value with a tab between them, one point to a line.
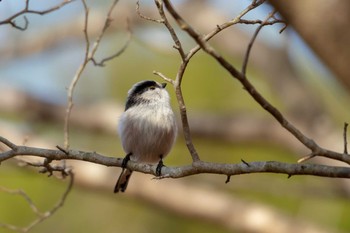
41	216
248	86
185	59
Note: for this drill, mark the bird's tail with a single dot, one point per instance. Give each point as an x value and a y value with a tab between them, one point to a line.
123	180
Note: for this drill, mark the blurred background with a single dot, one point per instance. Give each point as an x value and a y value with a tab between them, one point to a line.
301	71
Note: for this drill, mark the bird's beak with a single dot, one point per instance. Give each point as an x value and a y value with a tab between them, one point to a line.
163	85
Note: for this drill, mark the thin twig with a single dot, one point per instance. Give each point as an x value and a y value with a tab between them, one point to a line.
8	143
107	23
146	17
251	42
171	30
41	216
76	78
119	52
306	158
237	20
11	20
164	77
89	56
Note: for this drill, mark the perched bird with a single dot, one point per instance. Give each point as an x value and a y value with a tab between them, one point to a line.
147	128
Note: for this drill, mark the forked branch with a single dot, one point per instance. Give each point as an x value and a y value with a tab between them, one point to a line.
27	10
248	86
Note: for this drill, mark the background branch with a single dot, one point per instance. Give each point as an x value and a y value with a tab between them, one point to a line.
40	216
11	20
89	56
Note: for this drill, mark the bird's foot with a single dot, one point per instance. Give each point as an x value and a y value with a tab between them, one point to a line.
159	167
126	160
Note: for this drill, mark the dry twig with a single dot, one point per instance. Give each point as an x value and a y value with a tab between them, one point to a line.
11	20
40	216
248	86
90	56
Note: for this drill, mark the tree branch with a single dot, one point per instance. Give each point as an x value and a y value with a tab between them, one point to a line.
248	86
250	45
198	167
89	56
185	58
11	20
41	216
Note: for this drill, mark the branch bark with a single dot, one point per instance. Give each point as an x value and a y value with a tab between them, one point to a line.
321	24
198	167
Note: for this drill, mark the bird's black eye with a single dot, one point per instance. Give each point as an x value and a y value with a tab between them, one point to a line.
152	88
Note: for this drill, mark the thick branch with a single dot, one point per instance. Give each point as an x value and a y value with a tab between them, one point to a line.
198	167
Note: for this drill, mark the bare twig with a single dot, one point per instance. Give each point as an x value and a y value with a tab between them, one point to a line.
250	45
11	20
144	16
41	216
171	30
8	143
306	158
89	56
46	166
164	77
119	52
241	77
76	77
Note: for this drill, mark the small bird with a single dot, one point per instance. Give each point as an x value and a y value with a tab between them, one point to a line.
147	128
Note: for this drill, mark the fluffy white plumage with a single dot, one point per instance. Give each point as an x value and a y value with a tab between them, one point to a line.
147	127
